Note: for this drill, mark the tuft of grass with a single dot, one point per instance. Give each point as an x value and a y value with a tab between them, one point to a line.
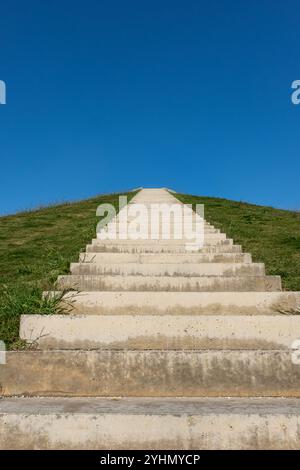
36	247
15	301
271	235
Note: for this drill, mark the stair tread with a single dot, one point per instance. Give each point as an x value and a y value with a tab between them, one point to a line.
150	406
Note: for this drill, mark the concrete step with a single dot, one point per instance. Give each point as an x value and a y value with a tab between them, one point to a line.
172	219
170	237
178	219
167	257
173	203
171	269
208	231
167	283
164	332
162	258
188	303
167	209
172	373
149	423
128	240
133	247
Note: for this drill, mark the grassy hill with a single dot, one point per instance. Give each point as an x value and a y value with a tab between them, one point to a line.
37	246
271	235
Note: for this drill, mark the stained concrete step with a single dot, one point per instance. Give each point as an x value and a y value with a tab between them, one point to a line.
188	303
129	239
171	373
165	332
116	247
173	242
170	237
164	269
157	235
167	283
167	257
178	219
208	231
149	423
171	203
165	218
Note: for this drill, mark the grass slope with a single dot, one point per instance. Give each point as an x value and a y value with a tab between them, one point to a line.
271	235
35	247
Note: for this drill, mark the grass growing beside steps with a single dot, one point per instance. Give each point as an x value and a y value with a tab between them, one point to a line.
35	247
271	235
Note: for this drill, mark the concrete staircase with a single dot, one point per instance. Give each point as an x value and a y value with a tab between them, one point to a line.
156	339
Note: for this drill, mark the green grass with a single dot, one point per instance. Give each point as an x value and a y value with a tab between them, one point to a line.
271	235
35	247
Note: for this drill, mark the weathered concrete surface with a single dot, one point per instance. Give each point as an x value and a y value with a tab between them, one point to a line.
95	423
160	331
166	257
150	373
208	241
173	228
210	238
86	282
144	247
172	269
161	303
116	247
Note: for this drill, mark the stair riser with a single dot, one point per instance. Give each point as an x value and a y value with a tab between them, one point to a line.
168	283
183	303
228	431
163	332
178	219
165	257
209	233
150	373
177	224
172	269
163	249
129	239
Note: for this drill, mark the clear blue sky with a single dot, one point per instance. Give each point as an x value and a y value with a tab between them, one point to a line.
108	95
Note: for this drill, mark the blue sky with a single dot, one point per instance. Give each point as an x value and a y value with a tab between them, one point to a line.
109	95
